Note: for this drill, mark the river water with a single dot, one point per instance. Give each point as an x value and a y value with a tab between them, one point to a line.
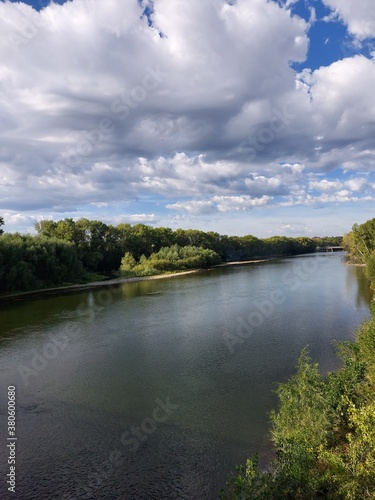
156	389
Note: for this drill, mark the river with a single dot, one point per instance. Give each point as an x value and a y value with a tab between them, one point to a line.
156	389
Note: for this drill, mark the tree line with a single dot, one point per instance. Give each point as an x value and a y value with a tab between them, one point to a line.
360	244
68	251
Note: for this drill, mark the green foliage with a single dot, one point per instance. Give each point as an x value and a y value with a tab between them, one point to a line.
279	245
300	426
249	483
127	262
32	262
323	432
360	244
1	224
188	257
366	346
329	241
101	248
169	259
96	243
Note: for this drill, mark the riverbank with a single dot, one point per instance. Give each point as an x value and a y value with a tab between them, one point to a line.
118	281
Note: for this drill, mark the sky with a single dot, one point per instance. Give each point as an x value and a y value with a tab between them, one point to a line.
236	116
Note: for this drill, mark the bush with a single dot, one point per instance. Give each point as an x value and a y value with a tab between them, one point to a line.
127	262
323	432
169	259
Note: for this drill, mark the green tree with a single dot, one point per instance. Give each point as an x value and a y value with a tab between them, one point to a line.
360	244
127	262
179	258
1	224
32	262
300	427
143	241
172	258
46	228
323	432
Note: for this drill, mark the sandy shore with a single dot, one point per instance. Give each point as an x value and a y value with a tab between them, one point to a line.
237	263
120	281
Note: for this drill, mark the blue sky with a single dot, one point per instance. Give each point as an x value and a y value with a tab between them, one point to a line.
242	117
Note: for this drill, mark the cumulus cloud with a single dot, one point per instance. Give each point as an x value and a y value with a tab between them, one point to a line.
220	204
194	207
236	203
15	221
294	228
358	15
139	218
195	109
326	186
259	185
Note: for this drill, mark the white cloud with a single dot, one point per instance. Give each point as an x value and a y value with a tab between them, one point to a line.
356	185
342	103
358	15
237	203
139	218
258	185
96	108
19	222
293	228
342	197
194	207
158	95
220	204
326	186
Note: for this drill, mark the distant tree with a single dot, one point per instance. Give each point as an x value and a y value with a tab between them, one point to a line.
31	262
46	228
163	237
101	247
112	248
143	242
1	224
329	241
360	244
178	258
65	230
279	245
127	262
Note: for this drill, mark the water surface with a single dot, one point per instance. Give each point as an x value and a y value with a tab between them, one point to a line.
92	368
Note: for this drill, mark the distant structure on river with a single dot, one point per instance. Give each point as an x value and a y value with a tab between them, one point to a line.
330	249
